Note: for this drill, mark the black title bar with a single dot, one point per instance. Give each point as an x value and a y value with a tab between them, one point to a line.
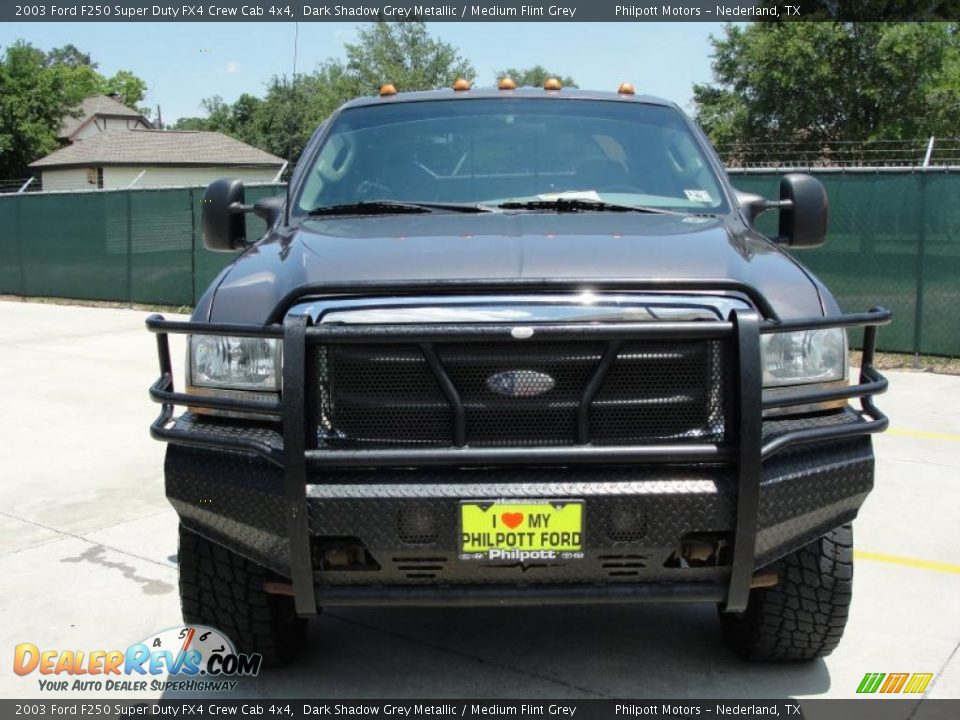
448	709
477	11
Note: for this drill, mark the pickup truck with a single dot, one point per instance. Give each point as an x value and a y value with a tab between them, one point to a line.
517	346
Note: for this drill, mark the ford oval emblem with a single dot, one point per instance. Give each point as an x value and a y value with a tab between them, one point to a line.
520	383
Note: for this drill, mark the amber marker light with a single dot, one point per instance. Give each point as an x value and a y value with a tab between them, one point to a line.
552	84
387	89
461	85
626	89
506	83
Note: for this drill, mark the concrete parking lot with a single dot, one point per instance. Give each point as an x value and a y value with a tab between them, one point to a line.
88	555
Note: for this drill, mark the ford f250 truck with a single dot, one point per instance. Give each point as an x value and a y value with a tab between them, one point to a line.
517	346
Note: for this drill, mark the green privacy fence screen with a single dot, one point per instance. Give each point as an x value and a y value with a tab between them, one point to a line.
130	245
894	240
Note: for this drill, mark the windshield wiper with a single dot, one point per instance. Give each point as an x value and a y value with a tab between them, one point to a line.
579	205
395	207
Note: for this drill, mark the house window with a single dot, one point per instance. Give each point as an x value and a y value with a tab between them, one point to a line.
95	176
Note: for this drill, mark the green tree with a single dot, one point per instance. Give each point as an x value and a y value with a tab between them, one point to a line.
131	89
406	55
37	90
821	82
71	56
535	76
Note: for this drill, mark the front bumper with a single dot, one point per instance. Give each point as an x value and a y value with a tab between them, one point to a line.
238	501
264	494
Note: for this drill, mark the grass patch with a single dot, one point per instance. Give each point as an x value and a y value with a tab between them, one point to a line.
117	304
917	363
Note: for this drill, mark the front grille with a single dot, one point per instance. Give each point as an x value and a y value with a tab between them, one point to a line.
523	393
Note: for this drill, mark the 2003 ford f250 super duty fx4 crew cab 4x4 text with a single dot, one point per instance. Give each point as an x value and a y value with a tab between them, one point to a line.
517	346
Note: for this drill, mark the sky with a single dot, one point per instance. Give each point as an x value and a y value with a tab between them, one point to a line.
182	63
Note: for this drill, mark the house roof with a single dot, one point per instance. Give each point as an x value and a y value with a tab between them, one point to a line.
158	147
101	105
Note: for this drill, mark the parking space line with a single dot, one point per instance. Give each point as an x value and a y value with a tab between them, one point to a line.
933	565
924	434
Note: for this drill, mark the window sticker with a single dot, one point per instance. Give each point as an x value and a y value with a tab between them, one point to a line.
698	196
570	195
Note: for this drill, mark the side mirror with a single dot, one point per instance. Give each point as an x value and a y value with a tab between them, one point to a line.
269	209
224	228
803	211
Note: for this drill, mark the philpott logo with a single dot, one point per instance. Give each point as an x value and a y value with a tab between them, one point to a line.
193	657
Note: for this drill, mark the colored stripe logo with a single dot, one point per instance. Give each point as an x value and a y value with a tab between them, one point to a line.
889	683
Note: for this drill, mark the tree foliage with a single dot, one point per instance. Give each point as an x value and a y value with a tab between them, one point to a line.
38	89
282	122
535	76
403	54
821	81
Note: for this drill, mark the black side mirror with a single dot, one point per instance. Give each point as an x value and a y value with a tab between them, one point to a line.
224	228
803	211
269	209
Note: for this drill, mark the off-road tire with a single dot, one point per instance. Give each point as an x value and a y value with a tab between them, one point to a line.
803	616
224	590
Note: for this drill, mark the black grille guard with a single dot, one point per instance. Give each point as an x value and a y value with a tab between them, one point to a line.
743	327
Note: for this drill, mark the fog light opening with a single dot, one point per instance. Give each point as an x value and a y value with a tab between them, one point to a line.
702	549
342	555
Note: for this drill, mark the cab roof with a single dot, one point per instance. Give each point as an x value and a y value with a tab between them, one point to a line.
521	92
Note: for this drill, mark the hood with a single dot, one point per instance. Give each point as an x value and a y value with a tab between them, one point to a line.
332	253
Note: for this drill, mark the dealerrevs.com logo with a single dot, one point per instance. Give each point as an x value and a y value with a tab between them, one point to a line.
193	658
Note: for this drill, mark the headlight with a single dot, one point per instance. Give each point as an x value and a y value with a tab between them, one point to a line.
806	356
247	363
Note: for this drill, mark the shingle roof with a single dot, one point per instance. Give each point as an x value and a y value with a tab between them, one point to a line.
158	147
96	105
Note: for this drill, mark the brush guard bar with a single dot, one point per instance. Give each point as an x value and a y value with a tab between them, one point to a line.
743	327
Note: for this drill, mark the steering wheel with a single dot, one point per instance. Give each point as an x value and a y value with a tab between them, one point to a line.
334	167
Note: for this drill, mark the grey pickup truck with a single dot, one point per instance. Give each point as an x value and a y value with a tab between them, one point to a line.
517	346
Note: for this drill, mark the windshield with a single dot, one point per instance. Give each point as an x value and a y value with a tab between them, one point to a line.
491	151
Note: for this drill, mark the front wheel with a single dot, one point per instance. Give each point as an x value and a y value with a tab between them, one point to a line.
803	616
224	590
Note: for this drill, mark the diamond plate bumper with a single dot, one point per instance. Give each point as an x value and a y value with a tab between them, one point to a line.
635	517
269	494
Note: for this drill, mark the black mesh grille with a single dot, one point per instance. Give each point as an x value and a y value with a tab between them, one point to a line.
520	393
380	395
531	417
662	392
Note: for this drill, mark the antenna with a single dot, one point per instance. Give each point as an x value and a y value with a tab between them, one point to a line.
296	36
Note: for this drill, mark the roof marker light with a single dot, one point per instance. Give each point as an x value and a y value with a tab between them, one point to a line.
387	89
626	89
506	83
552	84
461	84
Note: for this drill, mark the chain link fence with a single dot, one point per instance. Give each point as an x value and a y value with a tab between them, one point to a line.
894	240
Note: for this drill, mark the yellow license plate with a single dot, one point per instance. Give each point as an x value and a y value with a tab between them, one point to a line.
504	530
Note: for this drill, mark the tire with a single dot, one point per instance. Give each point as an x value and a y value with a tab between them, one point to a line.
224	590
803	616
